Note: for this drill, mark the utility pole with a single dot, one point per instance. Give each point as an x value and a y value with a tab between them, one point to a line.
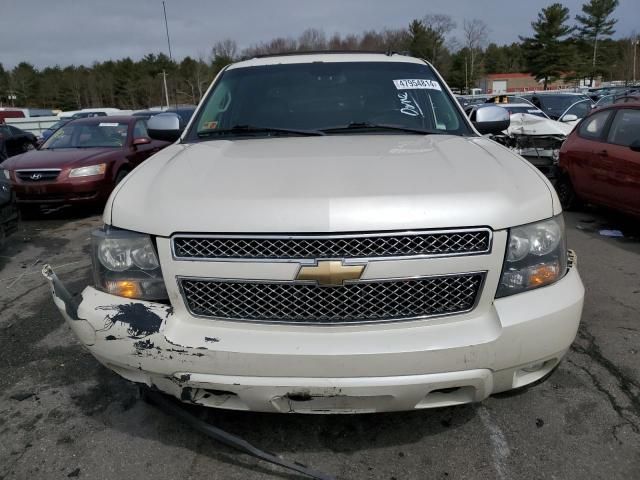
635	46
466	77
166	91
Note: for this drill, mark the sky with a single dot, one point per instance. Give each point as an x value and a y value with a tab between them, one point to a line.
65	32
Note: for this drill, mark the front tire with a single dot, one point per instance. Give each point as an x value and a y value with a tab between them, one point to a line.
120	176
566	193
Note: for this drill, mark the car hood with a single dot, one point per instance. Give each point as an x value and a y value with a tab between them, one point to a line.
335	183
58	158
527	124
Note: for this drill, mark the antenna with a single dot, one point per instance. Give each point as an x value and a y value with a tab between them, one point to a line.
166	27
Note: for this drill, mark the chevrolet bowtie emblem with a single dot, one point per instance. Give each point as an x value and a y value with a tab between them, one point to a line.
330	273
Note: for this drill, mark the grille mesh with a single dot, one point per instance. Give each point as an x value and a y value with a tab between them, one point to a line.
352	302
437	243
37	175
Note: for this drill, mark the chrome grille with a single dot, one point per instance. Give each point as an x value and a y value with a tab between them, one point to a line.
38	175
361	301
456	242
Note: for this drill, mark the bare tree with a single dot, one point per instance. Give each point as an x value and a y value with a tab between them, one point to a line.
476	34
441	26
276	45
227	49
312	39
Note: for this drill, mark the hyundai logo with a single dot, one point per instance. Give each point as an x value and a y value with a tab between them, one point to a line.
36	176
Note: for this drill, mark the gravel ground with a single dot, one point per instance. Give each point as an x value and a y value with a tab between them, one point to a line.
62	415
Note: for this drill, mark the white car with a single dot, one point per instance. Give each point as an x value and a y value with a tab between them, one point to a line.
330	234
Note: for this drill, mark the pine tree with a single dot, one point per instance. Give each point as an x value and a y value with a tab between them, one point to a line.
547	54
596	24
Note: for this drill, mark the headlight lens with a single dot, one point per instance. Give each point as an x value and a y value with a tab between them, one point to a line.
536	256
88	171
126	264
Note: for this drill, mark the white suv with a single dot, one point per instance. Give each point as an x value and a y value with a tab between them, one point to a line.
330	234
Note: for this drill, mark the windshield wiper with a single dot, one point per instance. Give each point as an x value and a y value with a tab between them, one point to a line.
250	130
353	126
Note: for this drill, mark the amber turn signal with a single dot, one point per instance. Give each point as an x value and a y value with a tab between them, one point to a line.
124	288
543	274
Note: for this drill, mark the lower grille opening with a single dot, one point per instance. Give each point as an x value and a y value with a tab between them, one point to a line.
363	301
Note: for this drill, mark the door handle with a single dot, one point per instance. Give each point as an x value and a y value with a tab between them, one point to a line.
603	153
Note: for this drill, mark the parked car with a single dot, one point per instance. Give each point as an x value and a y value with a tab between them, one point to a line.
508	99
81	162
15	141
600	160
330	235
10	113
556	105
531	134
598	93
8	210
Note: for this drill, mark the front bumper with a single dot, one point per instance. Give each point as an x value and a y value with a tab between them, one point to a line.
347	369
80	191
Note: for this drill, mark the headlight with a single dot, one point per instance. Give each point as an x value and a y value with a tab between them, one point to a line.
536	256
126	264
6	174
88	171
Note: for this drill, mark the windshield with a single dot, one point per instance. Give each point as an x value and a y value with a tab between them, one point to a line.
318	96
57	125
555	105
88	135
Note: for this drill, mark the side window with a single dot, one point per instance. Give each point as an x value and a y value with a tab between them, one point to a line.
625	128
5	131
593	127
580	109
140	129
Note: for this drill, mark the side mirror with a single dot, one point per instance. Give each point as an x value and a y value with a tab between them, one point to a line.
141	141
164	126
635	146
491	119
570	117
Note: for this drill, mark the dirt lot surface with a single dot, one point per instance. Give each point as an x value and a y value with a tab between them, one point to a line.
62	415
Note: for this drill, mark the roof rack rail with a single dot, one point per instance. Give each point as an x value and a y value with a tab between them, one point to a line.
316	52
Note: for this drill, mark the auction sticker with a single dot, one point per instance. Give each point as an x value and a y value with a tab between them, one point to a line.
416	84
105	124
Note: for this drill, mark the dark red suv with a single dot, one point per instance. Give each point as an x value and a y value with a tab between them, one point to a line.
600	160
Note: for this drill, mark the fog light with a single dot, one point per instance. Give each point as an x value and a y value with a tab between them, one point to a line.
534	367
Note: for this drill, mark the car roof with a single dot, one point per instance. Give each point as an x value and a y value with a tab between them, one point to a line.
325	57
105	119
507	105
568	94
615	106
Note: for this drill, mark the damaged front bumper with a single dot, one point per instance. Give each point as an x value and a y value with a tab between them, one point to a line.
397	367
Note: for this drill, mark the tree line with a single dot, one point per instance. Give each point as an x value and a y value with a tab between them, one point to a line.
558	48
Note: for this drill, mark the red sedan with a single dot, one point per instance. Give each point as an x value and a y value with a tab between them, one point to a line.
81	162
600	160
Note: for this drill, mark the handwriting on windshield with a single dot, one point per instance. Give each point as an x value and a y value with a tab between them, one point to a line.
409	107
